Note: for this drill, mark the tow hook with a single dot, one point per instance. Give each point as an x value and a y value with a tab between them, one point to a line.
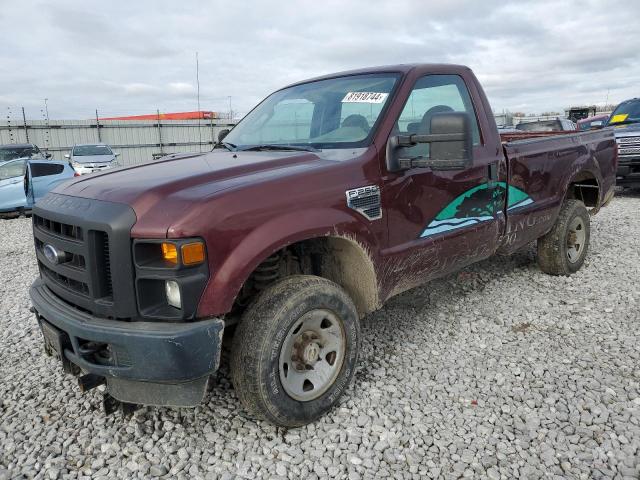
111	405
90	381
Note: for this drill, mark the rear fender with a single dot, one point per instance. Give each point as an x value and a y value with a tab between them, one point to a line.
590	170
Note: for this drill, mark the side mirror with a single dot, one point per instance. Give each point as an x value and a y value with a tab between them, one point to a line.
47	155
222	134
450	145
67	156
116	154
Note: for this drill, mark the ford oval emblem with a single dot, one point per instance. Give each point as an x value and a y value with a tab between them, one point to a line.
51	254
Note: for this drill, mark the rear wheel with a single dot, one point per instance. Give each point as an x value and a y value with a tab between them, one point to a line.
295	350
562	251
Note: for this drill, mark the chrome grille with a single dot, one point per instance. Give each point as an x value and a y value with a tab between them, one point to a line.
628	146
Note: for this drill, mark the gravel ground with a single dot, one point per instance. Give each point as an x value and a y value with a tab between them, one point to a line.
496	372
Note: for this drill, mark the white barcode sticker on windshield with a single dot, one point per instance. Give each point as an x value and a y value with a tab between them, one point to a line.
364	97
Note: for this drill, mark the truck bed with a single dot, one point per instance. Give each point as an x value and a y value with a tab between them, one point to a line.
517	136
546	165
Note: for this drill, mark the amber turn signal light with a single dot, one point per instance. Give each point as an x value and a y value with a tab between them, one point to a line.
170	253
192	253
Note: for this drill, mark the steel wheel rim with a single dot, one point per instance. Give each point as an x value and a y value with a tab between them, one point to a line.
576	238
312	355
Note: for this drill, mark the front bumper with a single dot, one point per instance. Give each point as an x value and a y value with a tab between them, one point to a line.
83	170
149	363
628	172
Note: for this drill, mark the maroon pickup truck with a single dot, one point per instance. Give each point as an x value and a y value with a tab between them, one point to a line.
330	197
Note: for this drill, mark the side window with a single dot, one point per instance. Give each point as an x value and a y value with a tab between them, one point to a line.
431	95
361	115
45	169
12	170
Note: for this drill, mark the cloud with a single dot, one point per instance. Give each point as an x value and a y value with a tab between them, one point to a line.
182	88
137	57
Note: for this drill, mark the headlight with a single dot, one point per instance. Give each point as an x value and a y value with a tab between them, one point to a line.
172	290
189	254
169	253
170	277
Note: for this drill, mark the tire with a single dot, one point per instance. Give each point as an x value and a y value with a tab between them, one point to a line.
562	251
295	350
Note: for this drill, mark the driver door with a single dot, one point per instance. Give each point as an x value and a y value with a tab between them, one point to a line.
441	220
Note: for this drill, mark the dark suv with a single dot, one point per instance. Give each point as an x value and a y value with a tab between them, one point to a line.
626	120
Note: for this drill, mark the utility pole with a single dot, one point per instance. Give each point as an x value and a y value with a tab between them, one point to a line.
230	110
24	121
98	127
9	125
198	88
160	134
46	111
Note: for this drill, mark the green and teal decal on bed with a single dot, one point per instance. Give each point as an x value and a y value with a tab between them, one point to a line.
476	205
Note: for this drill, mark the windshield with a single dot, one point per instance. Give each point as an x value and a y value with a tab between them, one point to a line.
91	150
12	170
11	153
335	113
626	112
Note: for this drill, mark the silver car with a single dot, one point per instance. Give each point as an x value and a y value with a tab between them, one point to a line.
14	151
94	157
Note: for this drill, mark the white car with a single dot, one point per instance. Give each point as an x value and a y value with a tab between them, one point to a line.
94	157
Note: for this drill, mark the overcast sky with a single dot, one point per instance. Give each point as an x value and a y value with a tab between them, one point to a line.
137	56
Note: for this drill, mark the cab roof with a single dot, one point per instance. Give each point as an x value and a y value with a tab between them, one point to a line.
403	68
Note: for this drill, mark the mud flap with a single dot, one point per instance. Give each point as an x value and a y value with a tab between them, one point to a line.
186	394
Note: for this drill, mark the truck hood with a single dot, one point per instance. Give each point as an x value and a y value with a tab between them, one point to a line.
175	184
629	130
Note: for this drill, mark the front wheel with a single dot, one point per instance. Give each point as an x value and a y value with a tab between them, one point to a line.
295	350
562	251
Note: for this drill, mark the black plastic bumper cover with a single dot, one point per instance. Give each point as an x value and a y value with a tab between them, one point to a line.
156	363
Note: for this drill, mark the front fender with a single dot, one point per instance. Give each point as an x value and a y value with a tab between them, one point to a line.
264	240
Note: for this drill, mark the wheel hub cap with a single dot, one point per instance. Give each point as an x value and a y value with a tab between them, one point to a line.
312	354
576	237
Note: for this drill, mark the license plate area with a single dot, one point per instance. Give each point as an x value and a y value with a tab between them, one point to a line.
55	342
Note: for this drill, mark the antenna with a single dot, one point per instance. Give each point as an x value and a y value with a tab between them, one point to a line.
198	90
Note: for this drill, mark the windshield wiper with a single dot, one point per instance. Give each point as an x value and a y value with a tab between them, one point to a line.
268	146
229	146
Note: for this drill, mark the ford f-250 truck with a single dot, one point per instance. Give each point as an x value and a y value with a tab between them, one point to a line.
327	199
